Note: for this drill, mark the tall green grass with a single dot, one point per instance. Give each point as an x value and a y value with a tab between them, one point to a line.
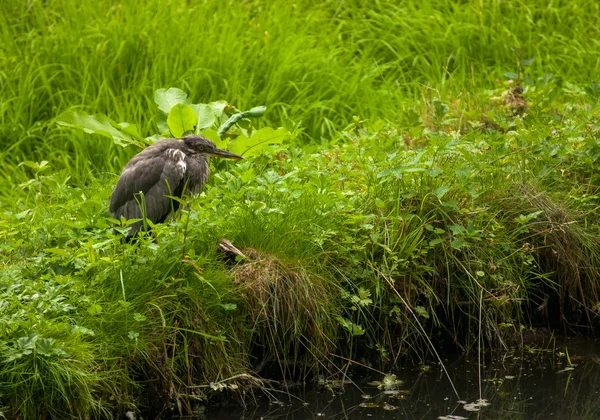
321	64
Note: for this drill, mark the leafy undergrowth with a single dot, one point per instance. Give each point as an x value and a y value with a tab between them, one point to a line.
457	224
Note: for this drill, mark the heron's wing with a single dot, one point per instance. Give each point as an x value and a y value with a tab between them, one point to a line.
156	177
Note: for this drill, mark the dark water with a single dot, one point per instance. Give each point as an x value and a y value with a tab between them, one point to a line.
533	384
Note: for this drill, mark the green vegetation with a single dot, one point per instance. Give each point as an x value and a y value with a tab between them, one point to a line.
425	172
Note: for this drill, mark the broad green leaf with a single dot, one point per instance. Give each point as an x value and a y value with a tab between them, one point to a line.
441	109
58	251
522	219
421	311
352	328
252	113
457	229
240	145
245	146
102	125
130	129
434	172
154	138
167	99
441	191
459	243
214	137
255	112
218	107
38	166
181	119
527	61
94	309
162	126
412	170
206	116
82	330
263	137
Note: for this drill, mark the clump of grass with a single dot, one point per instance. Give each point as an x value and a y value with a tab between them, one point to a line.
57	376
290	310
569	250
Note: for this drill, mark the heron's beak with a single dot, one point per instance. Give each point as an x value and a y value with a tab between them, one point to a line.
225	154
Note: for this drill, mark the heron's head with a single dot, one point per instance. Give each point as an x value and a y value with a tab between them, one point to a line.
201	146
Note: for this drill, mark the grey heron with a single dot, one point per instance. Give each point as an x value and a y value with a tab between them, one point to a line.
169	167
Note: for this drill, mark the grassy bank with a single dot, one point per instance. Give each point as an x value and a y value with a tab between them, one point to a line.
440	188
474	224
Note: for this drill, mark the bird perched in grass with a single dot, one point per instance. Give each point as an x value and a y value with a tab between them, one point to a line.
169	167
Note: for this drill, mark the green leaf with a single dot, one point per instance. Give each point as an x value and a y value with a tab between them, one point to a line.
511	75
421	311
122	134
240	145
363	298
23	214
353	329
457	229
459	243
124	303
57	251
82	330
527	61
441	109
214	137
181	119
206	116
252	113
441	191
411	170
244	146
434	172
94	309
218	107
130	129
264	137
38	166
162	126
522	219
167	99
229	306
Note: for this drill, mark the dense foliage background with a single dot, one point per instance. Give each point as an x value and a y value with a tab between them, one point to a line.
436	182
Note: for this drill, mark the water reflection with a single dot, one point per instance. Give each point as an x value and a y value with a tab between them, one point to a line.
534	384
